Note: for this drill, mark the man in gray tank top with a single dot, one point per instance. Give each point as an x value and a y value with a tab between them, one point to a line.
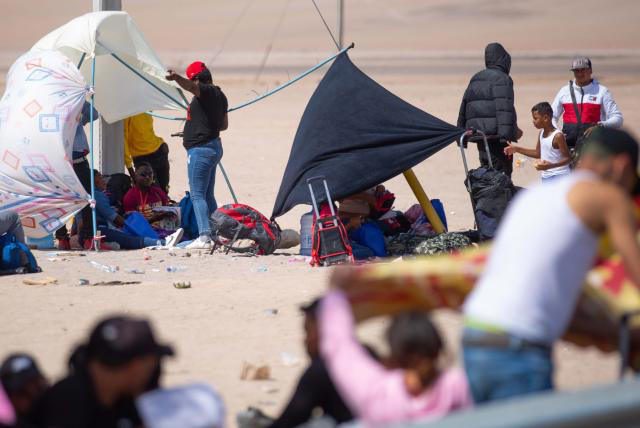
543	250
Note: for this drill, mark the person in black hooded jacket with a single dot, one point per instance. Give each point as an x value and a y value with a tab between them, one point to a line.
488	106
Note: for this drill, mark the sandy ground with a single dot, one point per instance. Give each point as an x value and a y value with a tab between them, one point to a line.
423	51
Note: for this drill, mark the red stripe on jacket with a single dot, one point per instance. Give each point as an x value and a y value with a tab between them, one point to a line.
590	113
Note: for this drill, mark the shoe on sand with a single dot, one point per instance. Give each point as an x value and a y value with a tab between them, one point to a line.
171	240
200	243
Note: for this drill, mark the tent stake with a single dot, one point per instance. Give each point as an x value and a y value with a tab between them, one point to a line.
425	203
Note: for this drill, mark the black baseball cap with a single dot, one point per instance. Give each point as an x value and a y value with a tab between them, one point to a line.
609	141
117	340
17	371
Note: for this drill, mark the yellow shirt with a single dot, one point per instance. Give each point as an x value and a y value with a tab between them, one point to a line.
139	138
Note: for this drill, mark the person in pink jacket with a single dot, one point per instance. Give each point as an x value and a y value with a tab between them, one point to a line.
413	388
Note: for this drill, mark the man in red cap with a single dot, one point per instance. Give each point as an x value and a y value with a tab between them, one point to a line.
206	117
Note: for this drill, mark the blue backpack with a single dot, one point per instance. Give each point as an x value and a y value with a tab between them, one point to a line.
188	217
14	254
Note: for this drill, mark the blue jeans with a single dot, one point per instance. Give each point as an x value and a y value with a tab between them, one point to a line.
201	168
126	241
497	373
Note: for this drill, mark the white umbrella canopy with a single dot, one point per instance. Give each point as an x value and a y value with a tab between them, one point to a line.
129	76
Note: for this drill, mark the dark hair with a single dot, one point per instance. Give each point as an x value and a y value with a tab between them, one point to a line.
204	76
413	334
143	165
543	109
310	309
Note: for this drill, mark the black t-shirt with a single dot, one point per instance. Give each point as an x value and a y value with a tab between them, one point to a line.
315	389
72	403
205	116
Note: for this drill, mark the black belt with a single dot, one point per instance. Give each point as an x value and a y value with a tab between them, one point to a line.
502	340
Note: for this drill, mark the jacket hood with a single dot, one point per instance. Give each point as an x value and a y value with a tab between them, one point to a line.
497	57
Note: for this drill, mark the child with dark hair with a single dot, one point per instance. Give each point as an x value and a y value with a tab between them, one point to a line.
414	387
551	149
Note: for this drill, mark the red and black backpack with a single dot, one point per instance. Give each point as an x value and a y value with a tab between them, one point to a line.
237	221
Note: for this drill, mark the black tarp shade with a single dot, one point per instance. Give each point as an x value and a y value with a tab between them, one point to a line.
356	134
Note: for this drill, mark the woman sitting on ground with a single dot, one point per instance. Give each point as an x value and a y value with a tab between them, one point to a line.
414	387
144	196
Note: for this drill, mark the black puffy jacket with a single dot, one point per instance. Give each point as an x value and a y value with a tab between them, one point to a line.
487	104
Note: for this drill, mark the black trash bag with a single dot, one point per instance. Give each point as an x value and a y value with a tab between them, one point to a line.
491	192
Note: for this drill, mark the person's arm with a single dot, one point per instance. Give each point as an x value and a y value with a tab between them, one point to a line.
612	114
306	397
558	109
225	122
186	84
103	209
462	118
128	160
86	113
369	390
514	148
225	107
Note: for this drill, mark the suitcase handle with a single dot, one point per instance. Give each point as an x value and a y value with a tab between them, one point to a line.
470	133
314	202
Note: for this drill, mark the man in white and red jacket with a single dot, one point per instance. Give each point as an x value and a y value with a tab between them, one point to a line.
593	101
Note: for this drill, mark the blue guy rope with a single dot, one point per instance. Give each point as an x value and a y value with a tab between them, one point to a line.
148	81
271	92
292	81
93	184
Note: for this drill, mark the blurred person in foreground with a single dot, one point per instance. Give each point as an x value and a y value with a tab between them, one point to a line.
315	388
120	361
544	248
24	385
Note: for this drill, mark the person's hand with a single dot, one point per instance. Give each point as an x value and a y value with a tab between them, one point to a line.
510	149
118	221
518	133
171	75
147	212
589	130
541	165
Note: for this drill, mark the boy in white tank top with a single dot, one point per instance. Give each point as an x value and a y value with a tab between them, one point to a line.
552	149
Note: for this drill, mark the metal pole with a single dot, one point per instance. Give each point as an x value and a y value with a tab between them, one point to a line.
340	23
109	150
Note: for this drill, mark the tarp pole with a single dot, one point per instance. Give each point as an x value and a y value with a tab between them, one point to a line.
226	178
93	184
425	203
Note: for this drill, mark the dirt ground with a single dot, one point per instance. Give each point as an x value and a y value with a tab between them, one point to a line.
423	51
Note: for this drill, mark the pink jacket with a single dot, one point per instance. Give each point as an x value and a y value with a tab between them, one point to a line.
375	394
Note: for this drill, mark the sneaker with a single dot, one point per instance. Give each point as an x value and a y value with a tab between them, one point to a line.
200	243
171	240
64	244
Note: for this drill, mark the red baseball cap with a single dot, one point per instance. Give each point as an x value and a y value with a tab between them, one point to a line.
194	69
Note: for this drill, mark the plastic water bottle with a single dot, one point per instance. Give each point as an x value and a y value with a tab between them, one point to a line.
306	233
176	268
104	268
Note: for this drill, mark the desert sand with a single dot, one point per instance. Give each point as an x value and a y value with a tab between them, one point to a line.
423	51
